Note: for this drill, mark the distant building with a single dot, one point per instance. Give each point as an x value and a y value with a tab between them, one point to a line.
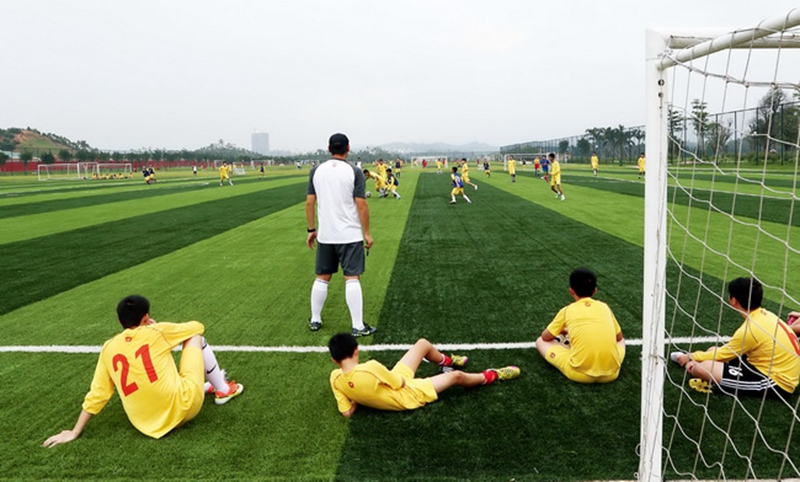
261	142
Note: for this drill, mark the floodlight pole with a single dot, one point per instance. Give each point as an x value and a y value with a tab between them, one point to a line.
655	258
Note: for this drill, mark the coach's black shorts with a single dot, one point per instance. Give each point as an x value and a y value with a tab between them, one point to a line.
350	256
739	376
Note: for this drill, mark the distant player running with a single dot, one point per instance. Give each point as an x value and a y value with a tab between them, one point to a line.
156	396
555	177
438	166
595	162
512	168
458	186
465	173
545	168
380	183
486	168
392	183
261	172
641	162
373	385
224	174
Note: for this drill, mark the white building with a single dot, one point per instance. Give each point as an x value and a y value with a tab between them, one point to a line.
261	142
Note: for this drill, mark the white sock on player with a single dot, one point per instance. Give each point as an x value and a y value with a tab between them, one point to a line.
214	374
319	293
355	302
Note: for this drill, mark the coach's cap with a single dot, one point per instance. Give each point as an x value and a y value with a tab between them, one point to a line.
338	140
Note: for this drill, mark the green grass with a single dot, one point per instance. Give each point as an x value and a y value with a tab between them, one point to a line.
493	271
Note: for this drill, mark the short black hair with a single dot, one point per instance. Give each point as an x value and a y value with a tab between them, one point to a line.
583	282
338	144
747	291
552	155
131	310
455	169
342	345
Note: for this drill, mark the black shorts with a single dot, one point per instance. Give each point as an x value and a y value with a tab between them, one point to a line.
739	376
350	256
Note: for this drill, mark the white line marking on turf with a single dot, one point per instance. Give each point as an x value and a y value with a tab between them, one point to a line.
324	349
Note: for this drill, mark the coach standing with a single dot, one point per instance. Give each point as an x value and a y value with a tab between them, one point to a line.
337	188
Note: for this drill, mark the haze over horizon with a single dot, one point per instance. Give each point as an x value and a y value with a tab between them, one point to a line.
184	74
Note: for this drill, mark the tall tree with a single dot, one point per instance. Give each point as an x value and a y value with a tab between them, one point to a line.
64	155
26	157
675	126
48	158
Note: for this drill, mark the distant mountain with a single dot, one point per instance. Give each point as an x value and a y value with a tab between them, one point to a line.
438	147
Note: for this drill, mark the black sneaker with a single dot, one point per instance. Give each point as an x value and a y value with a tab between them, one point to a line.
366	331
314	325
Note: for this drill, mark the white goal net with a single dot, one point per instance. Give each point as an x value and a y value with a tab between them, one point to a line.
112	170
523	159
67	171
721	202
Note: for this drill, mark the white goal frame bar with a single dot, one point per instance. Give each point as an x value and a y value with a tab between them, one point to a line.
520	156
684	49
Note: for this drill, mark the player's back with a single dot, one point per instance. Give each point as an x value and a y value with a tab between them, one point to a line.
139	362
593	337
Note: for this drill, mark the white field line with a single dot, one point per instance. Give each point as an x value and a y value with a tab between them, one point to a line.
324	349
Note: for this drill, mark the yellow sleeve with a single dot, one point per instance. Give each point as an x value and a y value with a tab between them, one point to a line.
737	346
177	333
342	402
102	388
559	322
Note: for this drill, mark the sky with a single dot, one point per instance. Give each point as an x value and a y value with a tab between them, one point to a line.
184	74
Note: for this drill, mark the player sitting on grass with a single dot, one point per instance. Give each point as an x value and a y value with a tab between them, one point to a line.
762	357
155	395
596	347
373	385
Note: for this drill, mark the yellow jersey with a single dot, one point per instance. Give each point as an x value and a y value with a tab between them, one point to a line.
380	182
512	166
641	162
373	385
223	172
381	170
555	169
594	162
593	330
770	346
139	363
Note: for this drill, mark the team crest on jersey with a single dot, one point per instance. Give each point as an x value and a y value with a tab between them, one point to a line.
128	339
351	384
588	303
552	355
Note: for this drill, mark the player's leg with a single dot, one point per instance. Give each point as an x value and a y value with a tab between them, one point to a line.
223	389
425	349
453	195
443	381
464	195
353	261
326	264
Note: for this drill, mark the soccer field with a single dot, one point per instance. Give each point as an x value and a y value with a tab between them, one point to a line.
491	274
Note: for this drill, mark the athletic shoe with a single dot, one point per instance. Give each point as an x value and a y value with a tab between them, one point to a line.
459	360
476	187
452	202
314	325
366	331
506	373
558	195
675	356
234	390
700	385
563	197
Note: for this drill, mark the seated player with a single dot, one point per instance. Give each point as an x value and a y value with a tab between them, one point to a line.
380	183
596	347
555	177
793	320
138	362
373	385
458	187
465	173
392	183
762	357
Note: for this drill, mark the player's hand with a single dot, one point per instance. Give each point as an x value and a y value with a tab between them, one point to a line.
61	438
312	240
683	359
368	240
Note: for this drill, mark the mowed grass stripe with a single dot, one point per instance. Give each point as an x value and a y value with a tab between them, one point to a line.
497	271
48	223
36	269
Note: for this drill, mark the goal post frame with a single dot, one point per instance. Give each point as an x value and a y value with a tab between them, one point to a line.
685	49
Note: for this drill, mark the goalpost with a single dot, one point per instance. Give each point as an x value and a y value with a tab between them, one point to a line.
65	171
519	157
431	160
113	170
721	201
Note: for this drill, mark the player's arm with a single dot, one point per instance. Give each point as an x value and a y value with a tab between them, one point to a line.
735	347
556	326
363	214
311	201
69	435
350	412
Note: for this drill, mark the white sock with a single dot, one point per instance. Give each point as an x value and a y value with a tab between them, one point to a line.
214	374
465	197
319	292
355	302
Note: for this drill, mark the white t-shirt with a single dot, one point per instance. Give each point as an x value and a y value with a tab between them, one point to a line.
336	184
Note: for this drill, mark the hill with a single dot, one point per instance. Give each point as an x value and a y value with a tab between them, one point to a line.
31	140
